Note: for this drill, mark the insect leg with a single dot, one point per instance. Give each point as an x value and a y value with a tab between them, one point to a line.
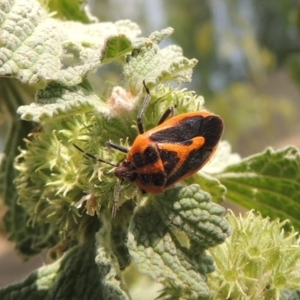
167	113
142	112
113	145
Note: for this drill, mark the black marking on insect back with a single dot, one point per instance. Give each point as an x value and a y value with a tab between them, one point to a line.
156	179
210	127
138	160
149	157
145	179
169	159
186	129
211	130
159	178
193	162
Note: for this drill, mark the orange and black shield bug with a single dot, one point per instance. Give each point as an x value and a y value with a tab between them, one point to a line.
172	151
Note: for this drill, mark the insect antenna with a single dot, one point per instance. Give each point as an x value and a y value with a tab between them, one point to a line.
144	107
93	156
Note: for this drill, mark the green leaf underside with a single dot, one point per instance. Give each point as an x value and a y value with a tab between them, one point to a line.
268	182
170	233
36	47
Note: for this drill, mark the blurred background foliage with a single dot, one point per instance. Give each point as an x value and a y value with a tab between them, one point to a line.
248	53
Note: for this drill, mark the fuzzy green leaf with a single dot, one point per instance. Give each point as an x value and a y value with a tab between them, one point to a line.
190	209
77	275
157	65
115	47
69	9
211	185
36	47
290	294
112	286
57	101
268	182
169	235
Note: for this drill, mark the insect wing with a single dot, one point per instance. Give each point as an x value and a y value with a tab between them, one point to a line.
185	148
186	127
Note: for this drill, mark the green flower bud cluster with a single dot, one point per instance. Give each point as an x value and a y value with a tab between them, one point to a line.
258	261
